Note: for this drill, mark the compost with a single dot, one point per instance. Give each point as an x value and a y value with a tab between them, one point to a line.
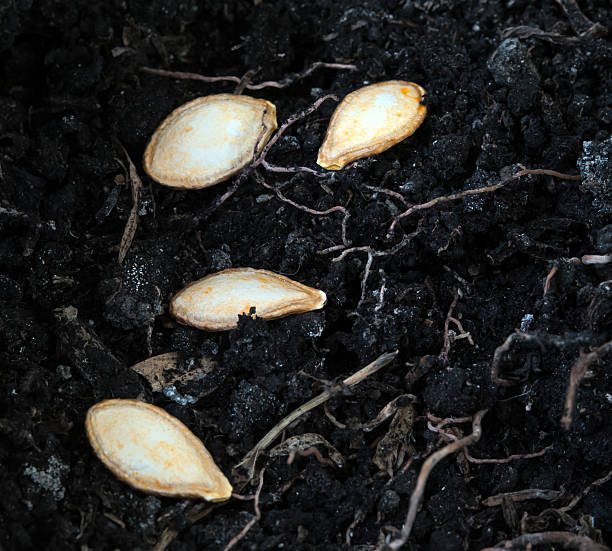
471	262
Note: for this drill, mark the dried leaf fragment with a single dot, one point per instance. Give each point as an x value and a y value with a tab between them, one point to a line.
161	371
303	442
371	120
215	302
208	140
391	450
132	221
153	451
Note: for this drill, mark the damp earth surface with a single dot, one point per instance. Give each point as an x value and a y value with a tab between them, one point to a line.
508	84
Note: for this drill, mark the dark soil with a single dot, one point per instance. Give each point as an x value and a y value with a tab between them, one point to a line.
73	319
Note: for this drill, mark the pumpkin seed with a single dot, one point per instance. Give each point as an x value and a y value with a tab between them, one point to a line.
208	140
214	302
371	120
153	451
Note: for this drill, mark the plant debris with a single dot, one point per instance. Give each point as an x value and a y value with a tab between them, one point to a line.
476	252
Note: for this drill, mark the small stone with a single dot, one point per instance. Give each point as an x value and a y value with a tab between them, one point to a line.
389	502
208	140
511	62
370	121
595	166
215	302
153	451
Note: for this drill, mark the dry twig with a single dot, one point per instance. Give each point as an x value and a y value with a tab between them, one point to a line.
576	375
249	460
430	463
525	31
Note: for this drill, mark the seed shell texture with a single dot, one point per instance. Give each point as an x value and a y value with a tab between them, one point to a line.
208	140
153	451
214	302
371	120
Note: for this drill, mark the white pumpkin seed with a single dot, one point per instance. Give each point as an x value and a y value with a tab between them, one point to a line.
208	140
214	302
371	120
153	451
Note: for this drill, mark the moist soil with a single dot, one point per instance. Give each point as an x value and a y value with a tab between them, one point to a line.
508	84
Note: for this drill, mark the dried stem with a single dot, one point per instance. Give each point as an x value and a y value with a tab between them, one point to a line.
525	31
576	375
245	81
248	461
523	495
430	463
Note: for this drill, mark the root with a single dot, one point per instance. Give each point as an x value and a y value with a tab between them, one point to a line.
430	463
576	375
487	189
569	540
249	460
254	520
245	81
